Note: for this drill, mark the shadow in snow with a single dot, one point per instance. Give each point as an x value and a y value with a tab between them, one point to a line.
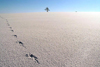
8	24
6	20
15	36
10	27
12	30
21	43
26	55
32	56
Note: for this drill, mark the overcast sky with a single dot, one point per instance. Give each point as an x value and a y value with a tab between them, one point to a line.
23	6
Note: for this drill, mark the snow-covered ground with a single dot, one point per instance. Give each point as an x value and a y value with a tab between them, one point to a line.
60	39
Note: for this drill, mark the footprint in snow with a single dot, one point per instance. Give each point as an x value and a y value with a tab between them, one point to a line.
6	20
32	56
8	24
10	27
15	36
12	30
21	43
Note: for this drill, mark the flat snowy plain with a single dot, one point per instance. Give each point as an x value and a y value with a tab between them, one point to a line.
60	39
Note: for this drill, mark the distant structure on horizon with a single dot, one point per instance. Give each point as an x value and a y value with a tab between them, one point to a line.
47	9
75	11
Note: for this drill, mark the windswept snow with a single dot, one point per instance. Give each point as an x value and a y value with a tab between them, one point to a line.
50	39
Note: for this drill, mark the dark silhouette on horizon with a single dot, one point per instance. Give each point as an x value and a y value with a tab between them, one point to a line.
47	9
75	11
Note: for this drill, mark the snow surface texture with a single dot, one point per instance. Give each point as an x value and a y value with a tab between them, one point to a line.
50	40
